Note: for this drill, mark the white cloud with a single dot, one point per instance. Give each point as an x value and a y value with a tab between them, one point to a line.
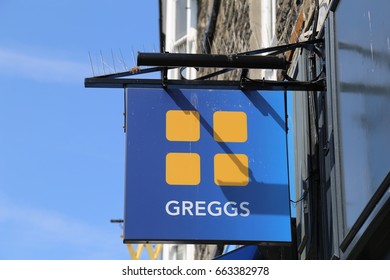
42	69
41	229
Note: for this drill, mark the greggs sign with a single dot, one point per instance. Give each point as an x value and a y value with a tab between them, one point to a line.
206	165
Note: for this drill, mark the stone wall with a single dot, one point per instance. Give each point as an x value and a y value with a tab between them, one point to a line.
235	31
293	17
232	30
204	7
205	252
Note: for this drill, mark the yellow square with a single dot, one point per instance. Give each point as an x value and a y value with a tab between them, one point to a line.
231	170
182	169
182	125
230	126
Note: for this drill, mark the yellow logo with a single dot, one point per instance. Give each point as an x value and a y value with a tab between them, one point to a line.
185	168
182	126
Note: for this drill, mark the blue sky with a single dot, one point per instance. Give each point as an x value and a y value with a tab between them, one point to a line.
61	145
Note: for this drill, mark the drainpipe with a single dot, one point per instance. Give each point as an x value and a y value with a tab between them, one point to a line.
161	29
209	33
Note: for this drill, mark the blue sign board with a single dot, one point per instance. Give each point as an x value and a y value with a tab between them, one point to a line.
206	165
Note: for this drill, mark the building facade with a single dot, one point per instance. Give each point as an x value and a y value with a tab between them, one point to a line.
341	134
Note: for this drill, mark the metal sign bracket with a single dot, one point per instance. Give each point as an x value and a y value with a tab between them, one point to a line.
268	58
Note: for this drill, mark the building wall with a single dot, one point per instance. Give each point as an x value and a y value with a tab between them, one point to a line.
295	22
232	27
359	89
240	26
235	26
231	34
331	182
292	19
249	25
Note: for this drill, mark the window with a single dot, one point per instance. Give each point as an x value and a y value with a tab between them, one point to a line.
362	44
181	20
